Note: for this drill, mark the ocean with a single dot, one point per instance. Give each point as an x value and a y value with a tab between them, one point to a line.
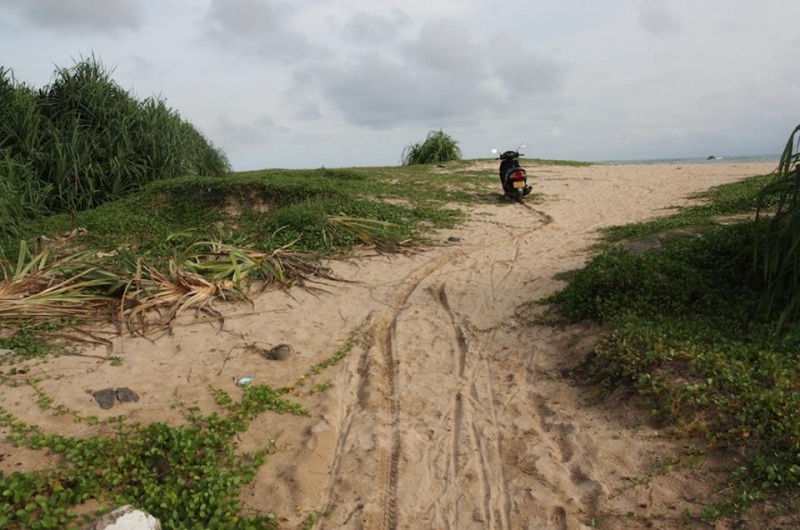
738	159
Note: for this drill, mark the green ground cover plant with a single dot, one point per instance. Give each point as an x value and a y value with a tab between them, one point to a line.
688	328
187	476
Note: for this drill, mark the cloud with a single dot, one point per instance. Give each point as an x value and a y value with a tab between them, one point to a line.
141	68
525	72
656	18
257	27
381	93
441	77
369	28
447	46
243	134
302	106
102	16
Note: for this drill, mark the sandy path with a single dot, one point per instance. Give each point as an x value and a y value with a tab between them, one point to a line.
449	413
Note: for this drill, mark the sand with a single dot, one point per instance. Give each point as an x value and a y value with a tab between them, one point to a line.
450	412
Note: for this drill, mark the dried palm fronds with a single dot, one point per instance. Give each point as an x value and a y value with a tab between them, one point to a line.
137	296
383	235
154	300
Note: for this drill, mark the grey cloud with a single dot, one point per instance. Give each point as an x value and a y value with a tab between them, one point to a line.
302	106
367	28
447	46
251	132
655	17
441	77
103	16
141	69
524	72
379	93
255	27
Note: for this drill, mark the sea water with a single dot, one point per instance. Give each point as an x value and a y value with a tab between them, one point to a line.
738	159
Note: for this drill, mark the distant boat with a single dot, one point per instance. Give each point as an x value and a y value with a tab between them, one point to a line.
712	157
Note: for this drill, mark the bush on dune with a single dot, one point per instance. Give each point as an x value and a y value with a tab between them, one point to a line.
82	140
438	147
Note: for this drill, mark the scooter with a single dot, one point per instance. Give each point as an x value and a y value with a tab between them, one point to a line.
513	178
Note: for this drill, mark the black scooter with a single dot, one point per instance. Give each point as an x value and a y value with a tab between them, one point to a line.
513	178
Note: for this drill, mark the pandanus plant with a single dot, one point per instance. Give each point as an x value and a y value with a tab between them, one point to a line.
777	249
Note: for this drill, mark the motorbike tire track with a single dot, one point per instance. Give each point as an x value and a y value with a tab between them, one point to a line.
383	333
495	507
345	425
546	218
382	328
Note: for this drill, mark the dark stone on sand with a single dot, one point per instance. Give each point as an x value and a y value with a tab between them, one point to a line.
280	352
105	398
126	395
454	239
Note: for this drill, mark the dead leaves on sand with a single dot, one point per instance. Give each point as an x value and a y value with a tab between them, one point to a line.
55	284
136	296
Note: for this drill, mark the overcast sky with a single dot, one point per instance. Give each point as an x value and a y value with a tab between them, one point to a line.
305	83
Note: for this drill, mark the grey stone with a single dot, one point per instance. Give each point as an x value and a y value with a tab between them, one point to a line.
281	352
126	395
4	352
126	518
454	239
105	398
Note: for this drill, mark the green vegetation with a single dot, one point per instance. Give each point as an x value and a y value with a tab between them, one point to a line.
689	331
438	147
111	210
779	241
268	209
82	140
187	476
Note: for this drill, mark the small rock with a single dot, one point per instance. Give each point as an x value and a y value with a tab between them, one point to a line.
281	352
105	398
4	352
454	239
126	395
126	518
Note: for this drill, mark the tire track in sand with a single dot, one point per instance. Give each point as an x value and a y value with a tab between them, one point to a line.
377	409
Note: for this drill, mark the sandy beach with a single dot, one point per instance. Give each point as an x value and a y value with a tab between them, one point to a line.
450	411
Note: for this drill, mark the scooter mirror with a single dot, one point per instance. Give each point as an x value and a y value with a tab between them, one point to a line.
495	151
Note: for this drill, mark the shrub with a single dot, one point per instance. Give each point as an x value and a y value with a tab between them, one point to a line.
82	140
438	147
778	243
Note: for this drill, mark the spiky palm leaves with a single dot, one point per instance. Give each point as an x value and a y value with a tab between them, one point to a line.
778	240
437	147
136	295
89	286
83	140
